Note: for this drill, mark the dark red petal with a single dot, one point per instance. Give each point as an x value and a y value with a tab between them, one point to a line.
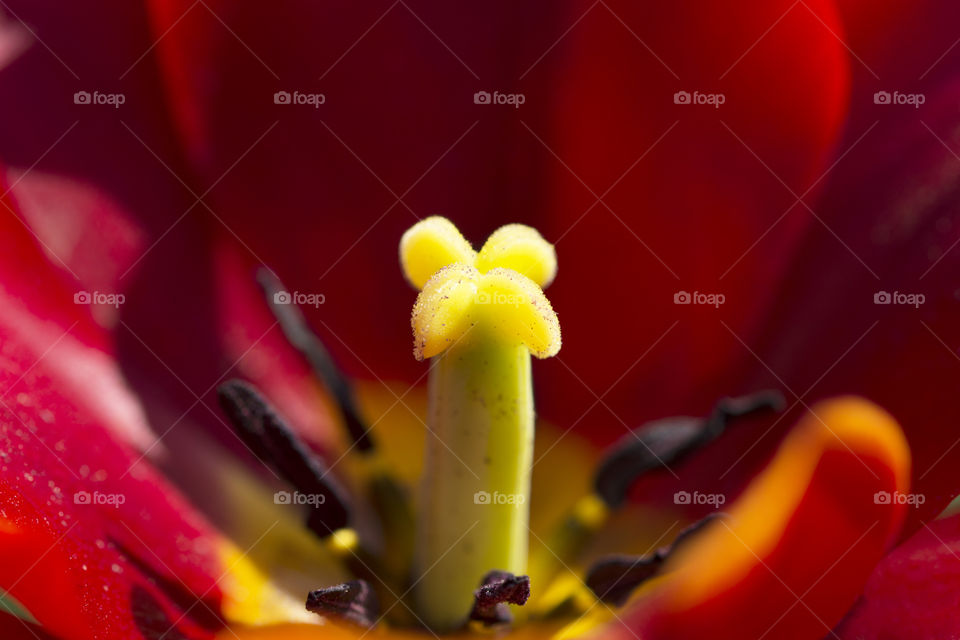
899	45
687	196
82	178
913	591
892	202
889	203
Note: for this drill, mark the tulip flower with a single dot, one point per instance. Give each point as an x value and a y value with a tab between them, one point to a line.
130	504
714	571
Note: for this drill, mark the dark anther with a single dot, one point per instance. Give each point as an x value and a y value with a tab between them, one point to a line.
244	407
150	615
167	584
614	578
496	589
354	601
304	340
664	442
275	444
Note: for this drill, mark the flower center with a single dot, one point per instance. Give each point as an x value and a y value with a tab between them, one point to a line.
462	557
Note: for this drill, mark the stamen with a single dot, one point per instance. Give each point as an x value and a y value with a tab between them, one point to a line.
614	578
390	501
664	442
173	588
496	589
646	449
243	406
354	601
305	340
276	444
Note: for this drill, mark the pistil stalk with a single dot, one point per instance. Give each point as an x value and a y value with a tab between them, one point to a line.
474	512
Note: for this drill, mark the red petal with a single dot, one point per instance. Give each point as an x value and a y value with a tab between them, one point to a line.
891	204
693	197
913	591
141	558
799	544
74	349
885	209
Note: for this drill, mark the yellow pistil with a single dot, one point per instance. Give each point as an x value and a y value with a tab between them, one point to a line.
481	316
434	243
